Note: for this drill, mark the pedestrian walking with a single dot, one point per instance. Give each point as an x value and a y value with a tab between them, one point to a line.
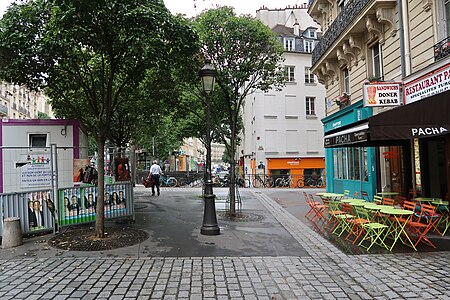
155	172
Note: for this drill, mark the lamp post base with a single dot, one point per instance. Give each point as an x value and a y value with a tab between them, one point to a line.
209	226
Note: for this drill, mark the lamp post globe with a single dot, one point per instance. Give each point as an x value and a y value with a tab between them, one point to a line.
209	226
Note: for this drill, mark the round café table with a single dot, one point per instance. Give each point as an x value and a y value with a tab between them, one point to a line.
427	199
383	194
397	227
331	196
352	200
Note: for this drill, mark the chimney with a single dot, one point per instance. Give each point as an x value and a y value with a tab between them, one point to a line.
296	28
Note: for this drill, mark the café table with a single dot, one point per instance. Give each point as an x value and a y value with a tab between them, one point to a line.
375	209
353	200
426	199
443	210
387	194
331	196
396	226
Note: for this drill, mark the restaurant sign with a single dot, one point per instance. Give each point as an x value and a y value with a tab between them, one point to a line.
346	139
381	94
433	83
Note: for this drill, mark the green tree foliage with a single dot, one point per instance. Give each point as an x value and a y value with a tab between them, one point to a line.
89	54
247	56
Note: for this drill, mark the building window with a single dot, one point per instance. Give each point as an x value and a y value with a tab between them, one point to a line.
289	44
377	63
310	110
309	46
443	19
341	5
345	81
312	34
348	163
309	77
289	73
37	140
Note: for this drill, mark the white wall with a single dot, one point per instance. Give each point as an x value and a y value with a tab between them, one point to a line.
15	145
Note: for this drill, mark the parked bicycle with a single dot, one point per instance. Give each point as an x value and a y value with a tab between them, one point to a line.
287	182
310	181
168	181
263	181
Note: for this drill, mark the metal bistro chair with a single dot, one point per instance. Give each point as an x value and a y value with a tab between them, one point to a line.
388	201
377	199
374	231
365	196
418	227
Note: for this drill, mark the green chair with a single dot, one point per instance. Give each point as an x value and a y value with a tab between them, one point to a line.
374	231
346	193
343	223
377	199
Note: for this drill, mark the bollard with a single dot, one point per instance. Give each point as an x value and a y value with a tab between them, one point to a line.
12	233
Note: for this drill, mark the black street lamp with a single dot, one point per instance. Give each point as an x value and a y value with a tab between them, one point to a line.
209	227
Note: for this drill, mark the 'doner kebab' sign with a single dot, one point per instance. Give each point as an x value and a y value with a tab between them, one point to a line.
382	94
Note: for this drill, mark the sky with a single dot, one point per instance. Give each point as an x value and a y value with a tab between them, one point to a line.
193	7
3	5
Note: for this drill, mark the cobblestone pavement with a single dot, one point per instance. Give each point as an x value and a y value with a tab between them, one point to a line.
326	273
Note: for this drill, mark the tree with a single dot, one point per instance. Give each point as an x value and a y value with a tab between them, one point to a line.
87	54
246	55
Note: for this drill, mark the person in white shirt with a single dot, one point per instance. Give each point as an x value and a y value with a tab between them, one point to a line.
155	172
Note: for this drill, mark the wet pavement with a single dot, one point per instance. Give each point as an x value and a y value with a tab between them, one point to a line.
275	254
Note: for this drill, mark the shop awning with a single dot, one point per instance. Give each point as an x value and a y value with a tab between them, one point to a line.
424	118
350	136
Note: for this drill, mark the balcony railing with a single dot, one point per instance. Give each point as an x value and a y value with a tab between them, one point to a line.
345	17
442	49
3	110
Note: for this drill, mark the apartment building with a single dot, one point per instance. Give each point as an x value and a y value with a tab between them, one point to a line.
17	102
386	66
282	129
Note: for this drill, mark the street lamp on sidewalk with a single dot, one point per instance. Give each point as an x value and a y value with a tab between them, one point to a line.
209	227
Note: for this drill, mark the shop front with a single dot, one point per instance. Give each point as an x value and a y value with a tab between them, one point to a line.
304	171
350	161
425	128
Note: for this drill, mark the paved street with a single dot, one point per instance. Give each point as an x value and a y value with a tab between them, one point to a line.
302	264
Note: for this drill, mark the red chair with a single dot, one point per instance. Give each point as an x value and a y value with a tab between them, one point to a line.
419	227
388	201
400	200
365	196
315	208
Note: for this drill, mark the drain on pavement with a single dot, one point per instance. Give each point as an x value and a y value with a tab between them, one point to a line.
240	217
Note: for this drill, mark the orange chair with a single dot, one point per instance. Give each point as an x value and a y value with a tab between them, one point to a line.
311	212
400	200
355	194
418	228
412	193
356	226
365	196
319	209
388	201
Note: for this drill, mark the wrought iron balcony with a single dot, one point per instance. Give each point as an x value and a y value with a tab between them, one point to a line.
442	49
345	17
3	110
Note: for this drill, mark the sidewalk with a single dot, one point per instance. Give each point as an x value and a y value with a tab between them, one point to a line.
277	257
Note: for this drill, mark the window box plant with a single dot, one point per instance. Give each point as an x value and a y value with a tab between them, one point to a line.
343	100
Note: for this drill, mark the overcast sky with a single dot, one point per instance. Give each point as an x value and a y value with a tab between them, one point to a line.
191	8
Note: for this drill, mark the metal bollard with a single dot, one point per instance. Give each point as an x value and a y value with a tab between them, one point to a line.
12	233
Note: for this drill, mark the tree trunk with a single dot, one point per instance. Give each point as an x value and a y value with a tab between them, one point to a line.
100	213
232	190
